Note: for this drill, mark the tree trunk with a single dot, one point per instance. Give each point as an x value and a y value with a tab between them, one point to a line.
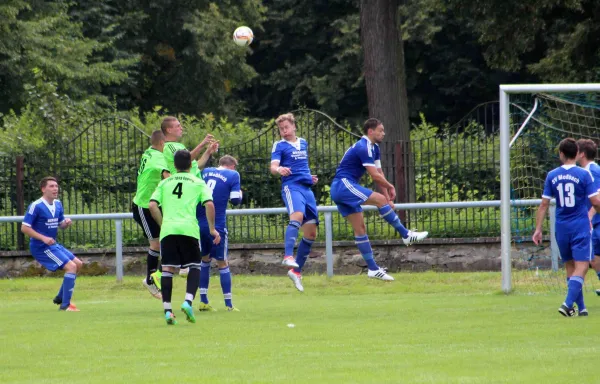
386	80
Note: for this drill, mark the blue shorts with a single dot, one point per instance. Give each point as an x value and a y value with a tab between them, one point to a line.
52	257
300	198
596	239
349	196
575	246
219	251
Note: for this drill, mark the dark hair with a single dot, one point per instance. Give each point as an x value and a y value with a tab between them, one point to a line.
371	123
228	160
166	123
588	148
182	160
157	137
45	181
568	147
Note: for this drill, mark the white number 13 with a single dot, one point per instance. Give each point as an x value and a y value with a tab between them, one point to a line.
566	196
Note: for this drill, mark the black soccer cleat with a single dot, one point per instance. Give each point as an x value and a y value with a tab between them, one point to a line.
598	292
583	313
57	300
566	311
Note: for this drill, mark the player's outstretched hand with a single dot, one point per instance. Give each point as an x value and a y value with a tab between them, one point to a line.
48	240
315	179
537	237
214	233
207	139
214	147
67	223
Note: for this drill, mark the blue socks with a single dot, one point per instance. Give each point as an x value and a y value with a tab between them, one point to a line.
204	280
226	285
291	234
575	286
388	214
598	275
579	300
303	252
67	289
364	246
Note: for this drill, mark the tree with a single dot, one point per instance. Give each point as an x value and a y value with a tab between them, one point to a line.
384	66
40	35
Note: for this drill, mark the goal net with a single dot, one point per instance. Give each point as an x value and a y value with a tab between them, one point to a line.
537	123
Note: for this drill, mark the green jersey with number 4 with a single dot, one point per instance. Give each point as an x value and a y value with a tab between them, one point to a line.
178	196
169	153
149	175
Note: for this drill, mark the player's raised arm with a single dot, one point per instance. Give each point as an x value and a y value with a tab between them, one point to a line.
196	151
212	148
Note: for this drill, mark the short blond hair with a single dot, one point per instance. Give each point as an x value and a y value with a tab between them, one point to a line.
286	117
166	123
228	160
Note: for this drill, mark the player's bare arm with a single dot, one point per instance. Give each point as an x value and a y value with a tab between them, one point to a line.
277	170
595	200
155	212
66	223
36	235
539	220
210	217
381	182
212	148
196	151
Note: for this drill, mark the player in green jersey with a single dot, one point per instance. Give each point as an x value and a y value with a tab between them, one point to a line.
153	169
173	131
178	197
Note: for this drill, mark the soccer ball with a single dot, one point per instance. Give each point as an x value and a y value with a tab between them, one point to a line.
243	36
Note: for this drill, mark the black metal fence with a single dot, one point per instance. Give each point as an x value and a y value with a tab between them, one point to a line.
97	172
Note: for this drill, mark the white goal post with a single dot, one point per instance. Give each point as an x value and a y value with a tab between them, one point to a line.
505	178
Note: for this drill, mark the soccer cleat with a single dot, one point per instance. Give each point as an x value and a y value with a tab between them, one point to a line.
414	237
57	300
380	274
170	318
70	308
289	261
205	307
188	311
183	272
232	309
566	311
296	279
155	276
583	313
153	289
598	292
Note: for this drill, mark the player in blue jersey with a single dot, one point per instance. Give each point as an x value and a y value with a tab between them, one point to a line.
572	187
587	153
289	159
224	182
349	195
42	220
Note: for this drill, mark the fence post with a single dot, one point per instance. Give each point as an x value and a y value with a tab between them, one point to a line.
119	250
20	199
400	177
329	243
553	246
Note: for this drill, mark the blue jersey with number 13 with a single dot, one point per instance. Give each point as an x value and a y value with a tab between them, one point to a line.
572	187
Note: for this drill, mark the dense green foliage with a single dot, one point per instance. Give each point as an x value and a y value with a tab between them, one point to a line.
178	55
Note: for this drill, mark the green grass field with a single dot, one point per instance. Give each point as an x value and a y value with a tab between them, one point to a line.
422	328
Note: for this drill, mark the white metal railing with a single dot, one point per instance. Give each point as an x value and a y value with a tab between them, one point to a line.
327	211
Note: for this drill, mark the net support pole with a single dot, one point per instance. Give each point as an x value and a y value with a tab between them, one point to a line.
505	192
553	246
119	250
329	243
